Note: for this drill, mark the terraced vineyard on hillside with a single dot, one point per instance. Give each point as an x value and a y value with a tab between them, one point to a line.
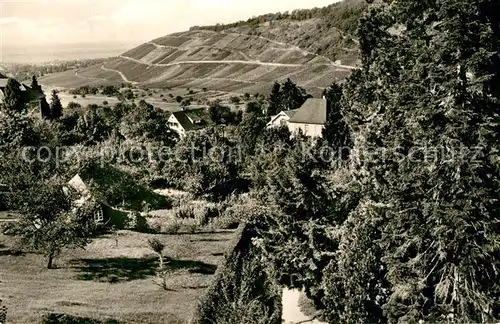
243	59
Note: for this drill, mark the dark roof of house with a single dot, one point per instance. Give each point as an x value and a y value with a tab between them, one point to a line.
29	93
192	119
313	111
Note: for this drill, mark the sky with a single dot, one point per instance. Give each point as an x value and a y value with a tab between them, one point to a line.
42	22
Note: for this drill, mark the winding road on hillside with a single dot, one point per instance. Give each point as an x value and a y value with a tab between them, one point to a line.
248	60
124	77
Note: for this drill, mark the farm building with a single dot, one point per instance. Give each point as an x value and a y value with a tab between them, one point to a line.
188	120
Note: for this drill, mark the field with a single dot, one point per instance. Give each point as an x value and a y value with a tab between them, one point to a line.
231	61
106	281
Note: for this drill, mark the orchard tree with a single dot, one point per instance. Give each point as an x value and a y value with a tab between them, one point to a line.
50	221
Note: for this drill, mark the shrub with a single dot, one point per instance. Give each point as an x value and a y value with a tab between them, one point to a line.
105	103
191	226
141	223
73	105
53	318
242	292
3	312
185	212
209	213
172	227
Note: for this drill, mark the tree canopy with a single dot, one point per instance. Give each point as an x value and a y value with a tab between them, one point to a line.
13	101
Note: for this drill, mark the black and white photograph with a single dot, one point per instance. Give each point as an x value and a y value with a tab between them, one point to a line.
249	162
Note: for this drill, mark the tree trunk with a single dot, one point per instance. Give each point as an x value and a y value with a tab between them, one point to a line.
161	261
51	258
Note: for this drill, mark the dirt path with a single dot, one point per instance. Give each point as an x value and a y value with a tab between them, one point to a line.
291	309
124	77
216	62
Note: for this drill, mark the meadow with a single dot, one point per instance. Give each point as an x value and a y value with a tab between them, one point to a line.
113	278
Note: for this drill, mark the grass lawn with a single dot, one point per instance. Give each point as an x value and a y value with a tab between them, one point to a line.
108	282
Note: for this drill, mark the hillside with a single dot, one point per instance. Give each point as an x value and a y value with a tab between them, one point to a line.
311	47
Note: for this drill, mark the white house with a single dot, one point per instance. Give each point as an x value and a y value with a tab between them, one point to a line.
310	118
188	120
282	118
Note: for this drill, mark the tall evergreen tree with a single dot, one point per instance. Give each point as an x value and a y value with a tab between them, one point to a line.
424	242
34	84
275	104
55	106
292	96
336	132
13	97
44	108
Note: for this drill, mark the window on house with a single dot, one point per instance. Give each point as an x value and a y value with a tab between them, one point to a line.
99	215
306	128
282	122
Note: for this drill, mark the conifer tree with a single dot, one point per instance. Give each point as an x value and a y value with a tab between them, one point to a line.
55	106
34	84
292	96
423	244
44	108
336	133
13	97
275	105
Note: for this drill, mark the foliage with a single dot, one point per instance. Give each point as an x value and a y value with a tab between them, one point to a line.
249	131
222	115
53	318
336	132
157	246
13	101
206	165
45	108
119	188
3	313
286	96
146	122
255	107
242	291
34	84
50	220
56	108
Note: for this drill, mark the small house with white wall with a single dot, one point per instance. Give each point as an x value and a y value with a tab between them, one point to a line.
188	120
104	213
310	118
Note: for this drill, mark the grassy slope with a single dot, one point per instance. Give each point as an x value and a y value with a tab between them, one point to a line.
106	282
327	32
